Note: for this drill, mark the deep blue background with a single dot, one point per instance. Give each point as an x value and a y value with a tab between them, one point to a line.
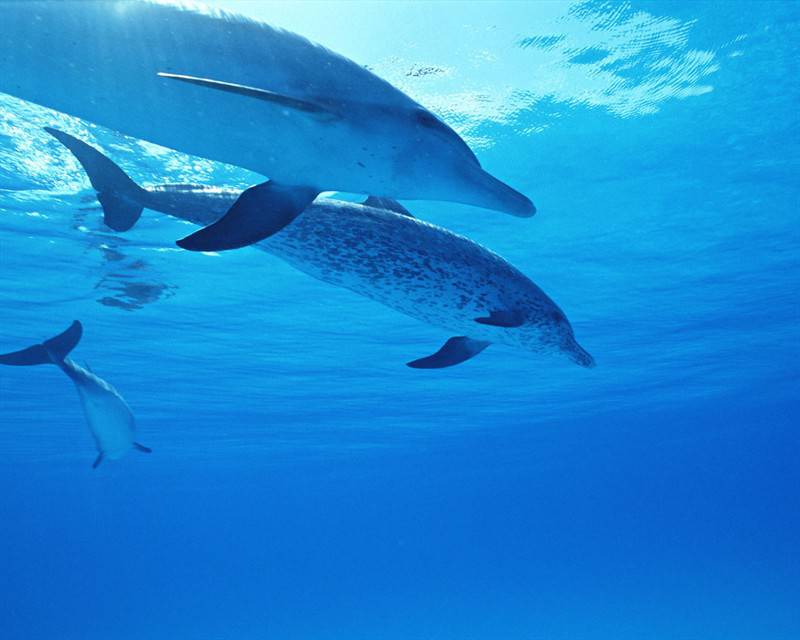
305	484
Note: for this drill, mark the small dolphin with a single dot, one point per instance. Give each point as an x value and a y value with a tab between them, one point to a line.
379	250
238	91
108	415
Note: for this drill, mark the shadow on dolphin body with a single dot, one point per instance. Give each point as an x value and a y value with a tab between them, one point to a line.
110	420
262	98
379	250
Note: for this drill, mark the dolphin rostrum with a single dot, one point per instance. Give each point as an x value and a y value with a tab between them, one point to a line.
234	90
108	415
379	250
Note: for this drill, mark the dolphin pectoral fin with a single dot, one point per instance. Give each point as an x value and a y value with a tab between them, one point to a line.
505	318
388	204
259	212
98	460
454	351
303	106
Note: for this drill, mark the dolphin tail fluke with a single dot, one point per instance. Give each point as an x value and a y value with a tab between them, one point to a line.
119	212
259	212
120	196
52	351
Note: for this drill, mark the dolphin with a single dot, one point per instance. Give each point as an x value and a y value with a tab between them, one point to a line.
381	252
110	420
223	87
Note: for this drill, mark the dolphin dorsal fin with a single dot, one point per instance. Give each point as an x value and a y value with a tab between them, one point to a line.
388	204
297	104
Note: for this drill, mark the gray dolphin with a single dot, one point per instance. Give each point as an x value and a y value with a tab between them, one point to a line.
223	87
110	420
379	250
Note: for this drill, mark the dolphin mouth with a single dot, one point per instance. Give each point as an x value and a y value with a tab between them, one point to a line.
497	195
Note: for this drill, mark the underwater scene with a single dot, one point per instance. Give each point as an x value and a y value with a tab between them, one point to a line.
400	320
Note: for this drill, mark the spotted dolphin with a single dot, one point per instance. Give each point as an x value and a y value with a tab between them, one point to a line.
382	252
223	87
110	420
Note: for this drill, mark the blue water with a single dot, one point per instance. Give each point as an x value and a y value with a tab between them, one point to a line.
306	484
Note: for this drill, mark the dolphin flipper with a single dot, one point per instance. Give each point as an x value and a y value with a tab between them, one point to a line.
98	460
142	448
259	212
304	106
505	318
388	204
455	351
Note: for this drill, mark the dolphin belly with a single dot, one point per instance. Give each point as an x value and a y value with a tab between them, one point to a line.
100	61
377	249
226	88
417	268
414	267
110	420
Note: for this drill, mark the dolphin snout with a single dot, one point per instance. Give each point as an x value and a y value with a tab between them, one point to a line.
494	194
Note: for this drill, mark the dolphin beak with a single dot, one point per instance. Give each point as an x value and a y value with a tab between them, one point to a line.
493	194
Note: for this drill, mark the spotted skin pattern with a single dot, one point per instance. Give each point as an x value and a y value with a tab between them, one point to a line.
417	268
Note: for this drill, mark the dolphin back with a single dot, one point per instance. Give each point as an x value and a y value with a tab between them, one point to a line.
52	351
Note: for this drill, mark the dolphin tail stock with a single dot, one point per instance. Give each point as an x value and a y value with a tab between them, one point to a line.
52	351
122	199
